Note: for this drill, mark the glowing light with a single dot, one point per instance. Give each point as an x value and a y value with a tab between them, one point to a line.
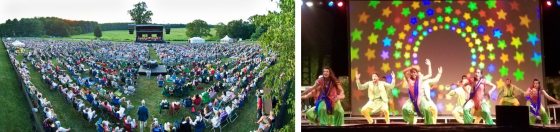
548	3
309	4
331	4
340	4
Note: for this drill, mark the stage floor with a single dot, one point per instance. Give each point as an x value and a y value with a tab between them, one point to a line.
160	69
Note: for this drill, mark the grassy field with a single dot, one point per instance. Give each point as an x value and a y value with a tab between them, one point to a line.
15	112
176	34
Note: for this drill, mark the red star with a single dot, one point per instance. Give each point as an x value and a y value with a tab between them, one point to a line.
432	21
438	10
510	28
514	5
457	12
397	20
370	70
461	2
482	13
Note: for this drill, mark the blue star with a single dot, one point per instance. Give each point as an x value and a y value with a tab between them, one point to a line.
425	2
481	29
413	20
537	58
491	68
462	24
533	38
414	33
497	33
386	42
430	12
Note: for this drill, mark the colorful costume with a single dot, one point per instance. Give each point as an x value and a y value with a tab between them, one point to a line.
420	104
461	97
507	94
481	106
536	109
324	113
378	101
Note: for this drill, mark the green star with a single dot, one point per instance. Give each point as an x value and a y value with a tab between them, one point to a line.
502	44
491	56
391	30
421	15
405	12
504	71
354	53
400	75
373	4
378	25
397	3
455	20
472	6
439	19
449	1
372	38
488	77
491	4
356	35
448	9
397	54
474	22
519	75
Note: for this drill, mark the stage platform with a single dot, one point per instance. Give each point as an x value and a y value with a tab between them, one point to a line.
160	69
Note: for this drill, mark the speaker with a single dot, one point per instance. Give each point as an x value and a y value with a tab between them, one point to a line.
513	116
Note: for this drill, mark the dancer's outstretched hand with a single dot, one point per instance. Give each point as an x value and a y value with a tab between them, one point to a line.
393	75
440	69
357	75
428	62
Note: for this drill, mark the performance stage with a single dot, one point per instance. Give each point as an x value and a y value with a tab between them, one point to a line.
160	69
398	127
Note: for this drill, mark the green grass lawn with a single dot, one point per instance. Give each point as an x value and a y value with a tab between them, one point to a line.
176	34
15	111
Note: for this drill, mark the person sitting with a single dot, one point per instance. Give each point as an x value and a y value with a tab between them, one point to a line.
164	105
197	100
185	125
216	120
175	107
265	122
167	127
156	127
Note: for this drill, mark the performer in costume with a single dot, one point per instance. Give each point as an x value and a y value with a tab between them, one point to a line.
477	101
507	94
419	92
460	93
327	93
537	111
378	100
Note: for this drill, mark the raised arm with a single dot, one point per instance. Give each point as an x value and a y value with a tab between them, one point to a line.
517	89
360	86
388	86
429	75
492	89
438	76
340	91
549	97
406	72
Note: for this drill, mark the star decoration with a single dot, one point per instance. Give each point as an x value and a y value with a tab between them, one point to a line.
519	57
474	22
421	15
457	12
486	38
504	57
504	71
488	77
491	4
537	58
363	18
510	28
515	41
354	53
490	22
406	27
385	67
491	68
391	30
385	55
497	33
398	45
502	44
532	38
519	75
439	19
514	5
370	54
472	6
398	65
378	25
386	42
407	55
525	20
448	10
402	36
386	12
373	4
500	83
502	14
397	20
439	10
491	56
372	38
370	70
397	3
490	47
482	13
467	16
415	5
356	35
405	12
397	54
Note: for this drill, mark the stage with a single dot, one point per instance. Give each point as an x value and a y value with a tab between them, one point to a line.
160	69
398	127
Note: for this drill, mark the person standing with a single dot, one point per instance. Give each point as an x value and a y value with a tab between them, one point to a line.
143	115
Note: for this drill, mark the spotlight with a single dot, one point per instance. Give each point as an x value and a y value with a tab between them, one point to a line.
548	3
558	2
309	4
331	4
340	4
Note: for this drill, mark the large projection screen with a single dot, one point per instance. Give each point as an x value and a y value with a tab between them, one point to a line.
500	37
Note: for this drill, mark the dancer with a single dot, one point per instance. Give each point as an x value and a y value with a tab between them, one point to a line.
533	95
419	92
327	93
460	93
507	94
378	101
477	101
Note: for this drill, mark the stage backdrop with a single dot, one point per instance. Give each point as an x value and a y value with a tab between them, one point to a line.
500	37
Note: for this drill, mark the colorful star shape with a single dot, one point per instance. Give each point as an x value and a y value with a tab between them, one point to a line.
519	57
532	38
491	56
402	35
467	16
398	45
525	20
502	44
490	47
504	71
386	42
356	35
378	24
363	18
510	28
497	33
490	22
385	67
354	53
405	12
397	3
491	4
482	13
491	68
474	22
415	5
391	30
537	58
373	4
515	41
397	54
385	54
372	38
500	83
514	5
386	12
448	10
519	75
502	14
370	54
421	15
472	6
504	57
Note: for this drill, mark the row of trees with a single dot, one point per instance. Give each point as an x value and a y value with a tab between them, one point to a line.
45	26
234	29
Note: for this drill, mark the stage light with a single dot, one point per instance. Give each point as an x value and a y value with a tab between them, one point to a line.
309	4
548	3
340	4
558	2
331	3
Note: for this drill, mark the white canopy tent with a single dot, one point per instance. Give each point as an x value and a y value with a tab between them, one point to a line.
196	40
18	43
226	39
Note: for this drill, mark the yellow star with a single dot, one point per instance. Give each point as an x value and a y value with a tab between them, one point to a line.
525	20
363	18
415	5
490	22
502	14
370	54
449	107
467	16
385	67
406	27
372	38
402	35
407	47
398	65
519	57
500	83
447	19
482	57
486	38
386	12
504	58
490	47
354	70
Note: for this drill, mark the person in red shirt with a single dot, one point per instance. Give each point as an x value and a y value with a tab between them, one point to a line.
259	106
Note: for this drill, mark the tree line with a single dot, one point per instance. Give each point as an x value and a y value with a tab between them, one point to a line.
234	29
45	27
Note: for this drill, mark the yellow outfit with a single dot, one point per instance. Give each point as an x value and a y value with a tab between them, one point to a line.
378	100
461	96
507	95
